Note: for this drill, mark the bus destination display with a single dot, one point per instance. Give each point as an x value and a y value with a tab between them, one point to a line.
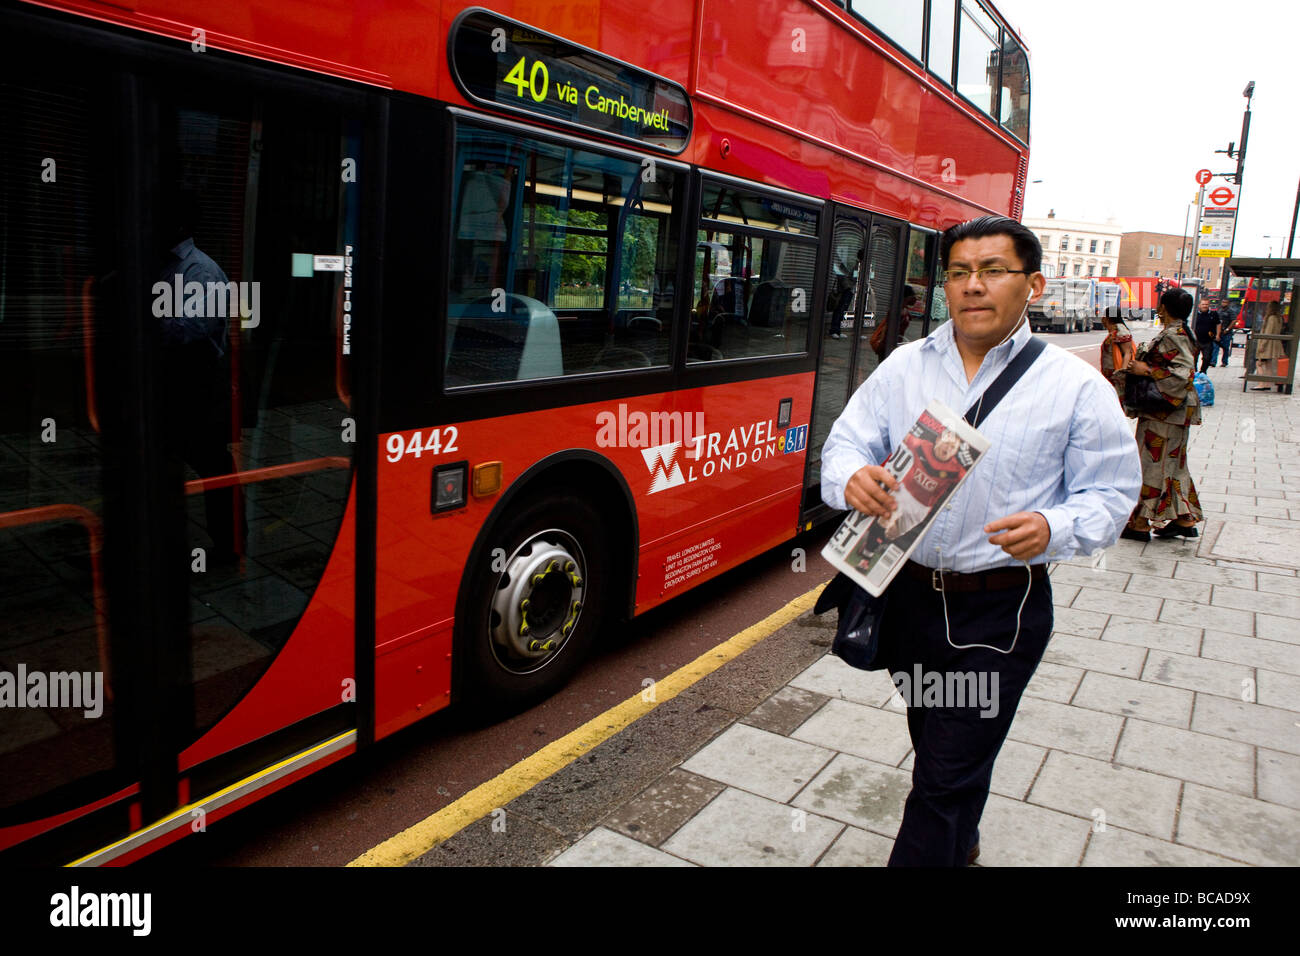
505	64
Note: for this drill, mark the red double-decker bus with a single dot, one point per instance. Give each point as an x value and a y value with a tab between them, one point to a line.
359	360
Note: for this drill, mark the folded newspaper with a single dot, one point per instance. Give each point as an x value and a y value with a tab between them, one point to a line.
933	460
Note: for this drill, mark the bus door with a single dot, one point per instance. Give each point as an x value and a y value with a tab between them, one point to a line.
860	323
176	441
253	197
64	710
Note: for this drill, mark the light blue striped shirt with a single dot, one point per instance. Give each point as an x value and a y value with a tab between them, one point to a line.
1060	446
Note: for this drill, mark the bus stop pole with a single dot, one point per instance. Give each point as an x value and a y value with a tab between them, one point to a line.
1290	243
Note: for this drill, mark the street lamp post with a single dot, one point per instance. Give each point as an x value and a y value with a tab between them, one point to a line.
1240	155
1183	248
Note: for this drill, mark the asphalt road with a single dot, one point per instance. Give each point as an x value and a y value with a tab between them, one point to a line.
335	815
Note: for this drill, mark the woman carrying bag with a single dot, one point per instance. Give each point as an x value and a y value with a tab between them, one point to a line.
1158	391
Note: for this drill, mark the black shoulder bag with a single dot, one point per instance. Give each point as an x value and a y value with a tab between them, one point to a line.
857	636
1142	396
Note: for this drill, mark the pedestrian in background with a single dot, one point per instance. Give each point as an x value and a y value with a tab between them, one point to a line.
1116	348
1269	350
904	319
1225	333
1207	332
1168	495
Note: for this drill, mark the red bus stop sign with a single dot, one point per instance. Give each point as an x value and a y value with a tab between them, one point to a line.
1222	196
1202	177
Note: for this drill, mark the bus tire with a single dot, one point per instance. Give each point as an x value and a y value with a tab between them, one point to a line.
535	610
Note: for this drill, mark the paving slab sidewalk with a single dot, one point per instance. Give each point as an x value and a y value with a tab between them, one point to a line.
1161	729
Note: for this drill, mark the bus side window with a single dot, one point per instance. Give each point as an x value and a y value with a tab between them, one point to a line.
755	262
562	261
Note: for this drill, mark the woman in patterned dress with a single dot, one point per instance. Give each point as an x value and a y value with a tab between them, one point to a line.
1168	495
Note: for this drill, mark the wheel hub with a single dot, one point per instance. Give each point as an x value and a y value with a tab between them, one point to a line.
538	601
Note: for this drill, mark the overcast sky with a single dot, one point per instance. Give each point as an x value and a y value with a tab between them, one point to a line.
1099	156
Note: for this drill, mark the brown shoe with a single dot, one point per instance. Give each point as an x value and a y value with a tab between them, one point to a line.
973	855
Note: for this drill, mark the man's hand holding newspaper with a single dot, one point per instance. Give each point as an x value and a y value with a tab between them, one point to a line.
864	492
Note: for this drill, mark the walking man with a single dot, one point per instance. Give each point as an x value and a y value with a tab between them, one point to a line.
1060	477
1207	332
1225	333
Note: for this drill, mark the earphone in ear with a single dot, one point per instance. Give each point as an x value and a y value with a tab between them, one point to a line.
1030	296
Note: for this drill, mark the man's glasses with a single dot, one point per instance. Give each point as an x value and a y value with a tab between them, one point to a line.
989	274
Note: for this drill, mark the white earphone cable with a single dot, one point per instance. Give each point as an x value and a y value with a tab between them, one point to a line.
947	631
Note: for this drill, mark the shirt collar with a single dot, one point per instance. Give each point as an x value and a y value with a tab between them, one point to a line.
1017	341
936	340
183	248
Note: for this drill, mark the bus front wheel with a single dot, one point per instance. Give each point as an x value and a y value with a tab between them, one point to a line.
536	608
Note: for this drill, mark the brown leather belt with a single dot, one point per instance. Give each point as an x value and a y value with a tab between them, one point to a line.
994	579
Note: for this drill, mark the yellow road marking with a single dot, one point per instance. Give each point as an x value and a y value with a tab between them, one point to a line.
419	839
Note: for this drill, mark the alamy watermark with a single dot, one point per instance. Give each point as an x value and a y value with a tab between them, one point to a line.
213	300
957	689
626	429
128	910
76	690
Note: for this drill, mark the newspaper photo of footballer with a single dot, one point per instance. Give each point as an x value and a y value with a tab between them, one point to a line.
935	456
930	463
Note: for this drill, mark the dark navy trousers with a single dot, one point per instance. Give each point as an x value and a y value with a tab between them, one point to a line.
957	741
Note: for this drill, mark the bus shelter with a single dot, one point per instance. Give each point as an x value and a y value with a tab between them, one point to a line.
1270	312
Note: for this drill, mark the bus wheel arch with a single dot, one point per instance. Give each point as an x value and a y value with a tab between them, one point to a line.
553	565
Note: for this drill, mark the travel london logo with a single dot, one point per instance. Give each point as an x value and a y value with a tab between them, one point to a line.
677	449
665	473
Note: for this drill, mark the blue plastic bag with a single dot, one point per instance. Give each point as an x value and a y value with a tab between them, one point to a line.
1204	388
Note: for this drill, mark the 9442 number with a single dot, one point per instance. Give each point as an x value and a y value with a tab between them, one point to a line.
440	441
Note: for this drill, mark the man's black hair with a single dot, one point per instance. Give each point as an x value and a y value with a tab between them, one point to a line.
1178	303
181	215
1027	246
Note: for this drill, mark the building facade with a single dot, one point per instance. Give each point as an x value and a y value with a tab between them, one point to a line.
1165	255
1073	248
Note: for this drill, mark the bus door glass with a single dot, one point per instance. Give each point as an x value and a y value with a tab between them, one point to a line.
882	273
841	318
918	286
859	318
58	269
255	234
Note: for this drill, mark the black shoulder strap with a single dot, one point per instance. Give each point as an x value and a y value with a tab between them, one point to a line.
1003	383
